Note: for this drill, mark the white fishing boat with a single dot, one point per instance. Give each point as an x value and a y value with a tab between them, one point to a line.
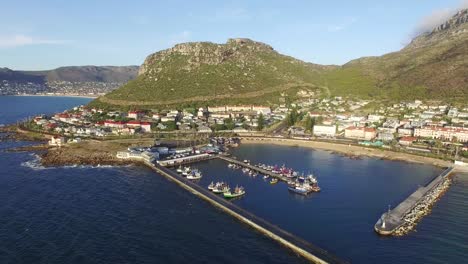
211	186
186	171
194	175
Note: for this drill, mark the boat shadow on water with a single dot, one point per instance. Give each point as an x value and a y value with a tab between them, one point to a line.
301	197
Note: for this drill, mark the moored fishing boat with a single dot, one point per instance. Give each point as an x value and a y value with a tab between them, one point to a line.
194	175
304	184
179	170
186	171
211	186
238	191
221	187
298	189
274	181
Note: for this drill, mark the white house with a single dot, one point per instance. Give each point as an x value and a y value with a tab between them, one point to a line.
323	130
57	141
135	114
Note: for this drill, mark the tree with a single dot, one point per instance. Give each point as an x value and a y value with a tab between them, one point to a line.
310	123
260	122
229	123
291	118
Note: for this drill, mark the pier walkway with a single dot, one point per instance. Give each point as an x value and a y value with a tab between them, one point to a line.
185	160
253	167
297	245
390	221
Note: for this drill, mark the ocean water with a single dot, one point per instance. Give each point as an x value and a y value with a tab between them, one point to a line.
112	214
132	215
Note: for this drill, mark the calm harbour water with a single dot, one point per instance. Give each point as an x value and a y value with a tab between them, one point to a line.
131	215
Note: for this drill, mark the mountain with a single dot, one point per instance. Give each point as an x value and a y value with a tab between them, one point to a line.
240	70
73	79
433	66
116	74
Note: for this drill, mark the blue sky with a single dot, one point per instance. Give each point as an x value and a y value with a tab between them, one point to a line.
45	34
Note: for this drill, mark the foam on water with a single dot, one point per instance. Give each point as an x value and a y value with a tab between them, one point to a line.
34	163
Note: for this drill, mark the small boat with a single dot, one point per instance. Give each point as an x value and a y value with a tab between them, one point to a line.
298	189
238	191
195	175
179	170
274	181
221	188
266	177
211	186
186	171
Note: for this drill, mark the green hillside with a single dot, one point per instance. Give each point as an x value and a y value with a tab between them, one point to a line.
241	71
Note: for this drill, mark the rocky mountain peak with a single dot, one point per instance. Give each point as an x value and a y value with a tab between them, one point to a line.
198	53
461	17
454	28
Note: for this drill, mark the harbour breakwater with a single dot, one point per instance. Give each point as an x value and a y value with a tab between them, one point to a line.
299	246
403	219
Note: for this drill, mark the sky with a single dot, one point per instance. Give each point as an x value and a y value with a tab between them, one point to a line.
45	34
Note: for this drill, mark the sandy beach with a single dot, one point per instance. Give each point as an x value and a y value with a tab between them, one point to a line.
349	150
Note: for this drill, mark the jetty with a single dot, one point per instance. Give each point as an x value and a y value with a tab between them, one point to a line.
253	167
403	217
186	160
299	246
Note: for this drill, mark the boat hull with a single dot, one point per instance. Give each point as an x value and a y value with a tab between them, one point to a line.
232	195
298	191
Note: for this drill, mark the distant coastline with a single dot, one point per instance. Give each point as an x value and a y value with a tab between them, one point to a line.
55	95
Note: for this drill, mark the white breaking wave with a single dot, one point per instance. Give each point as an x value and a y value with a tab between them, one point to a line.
35	163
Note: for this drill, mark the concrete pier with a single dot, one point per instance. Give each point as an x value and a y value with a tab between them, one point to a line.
297	245
392	220
186	160
254	168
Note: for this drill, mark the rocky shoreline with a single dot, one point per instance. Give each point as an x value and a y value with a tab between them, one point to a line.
61	157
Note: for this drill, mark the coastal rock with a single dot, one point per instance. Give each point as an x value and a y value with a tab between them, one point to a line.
63	157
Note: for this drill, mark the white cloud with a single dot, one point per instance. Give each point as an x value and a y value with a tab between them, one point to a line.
12	41
436	18
343	25
181	37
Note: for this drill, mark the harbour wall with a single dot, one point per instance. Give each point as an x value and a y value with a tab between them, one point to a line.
392	220
297	245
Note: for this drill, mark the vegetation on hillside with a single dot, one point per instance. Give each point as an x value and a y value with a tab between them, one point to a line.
433	66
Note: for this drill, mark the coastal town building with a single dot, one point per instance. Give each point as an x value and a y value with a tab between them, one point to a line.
57	141
324	130
385	136
406	141
135	114
445	133
404	131
364	133
114	124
